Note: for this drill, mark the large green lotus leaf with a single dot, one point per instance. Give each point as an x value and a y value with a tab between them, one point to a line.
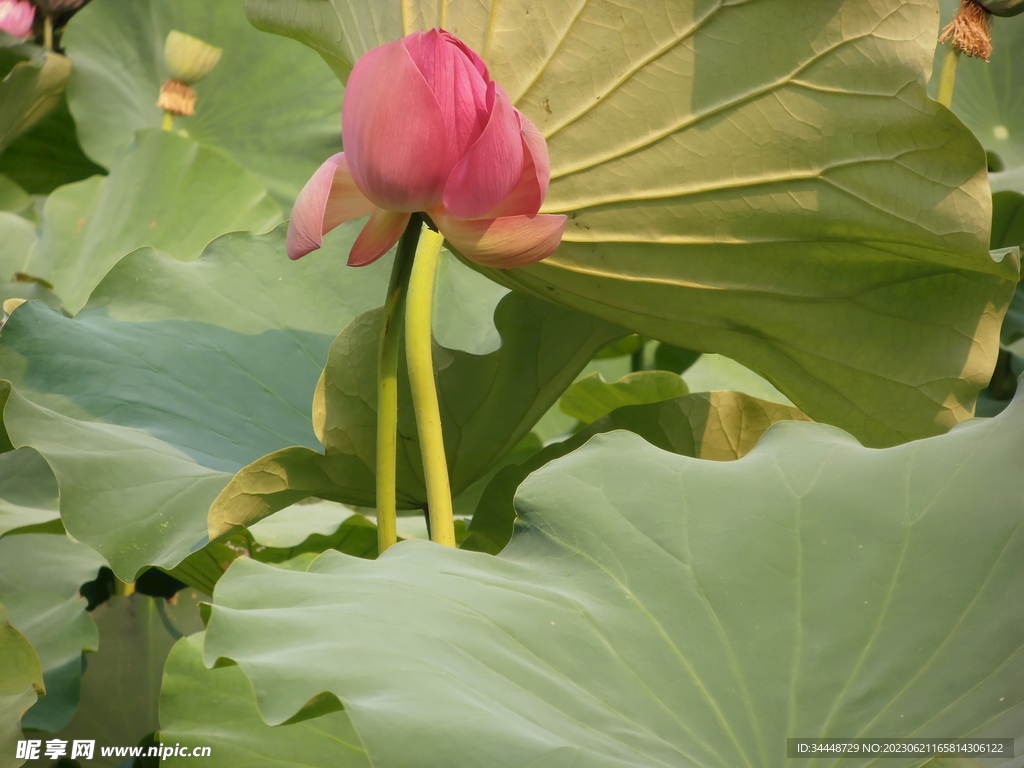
165	191
654	609
592	397
172	378
1008	232
703	373
711	373
777	190
626	346
293	525
46	562
48	155
356	536
464	304
19	238
987	94
270	104
28	491
121	684
217	708
29	92
488	404
717	426
676	359
59	630
21	681
202	569
1007	220
13	198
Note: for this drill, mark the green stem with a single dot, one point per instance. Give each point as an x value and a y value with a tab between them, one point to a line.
168	121
387	388
636	360
48	32
419	356
947	77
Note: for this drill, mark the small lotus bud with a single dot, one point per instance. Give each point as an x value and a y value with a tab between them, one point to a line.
1003	7
970	30
189	58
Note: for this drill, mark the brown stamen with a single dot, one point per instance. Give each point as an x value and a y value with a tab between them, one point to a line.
970	31
177	98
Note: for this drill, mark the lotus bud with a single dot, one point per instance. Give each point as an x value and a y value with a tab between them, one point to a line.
425	129
189	60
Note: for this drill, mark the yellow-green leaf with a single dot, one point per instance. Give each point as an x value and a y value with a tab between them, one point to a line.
773	186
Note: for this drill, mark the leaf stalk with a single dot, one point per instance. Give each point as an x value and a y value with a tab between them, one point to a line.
387	388
947	77
419	356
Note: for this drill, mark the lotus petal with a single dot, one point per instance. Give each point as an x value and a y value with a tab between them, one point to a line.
378	236
492	167
329	198
394	132
508	241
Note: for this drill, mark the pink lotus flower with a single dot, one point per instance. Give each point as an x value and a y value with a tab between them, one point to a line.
426	129
16	17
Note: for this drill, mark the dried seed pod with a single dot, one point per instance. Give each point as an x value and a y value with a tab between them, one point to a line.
970	30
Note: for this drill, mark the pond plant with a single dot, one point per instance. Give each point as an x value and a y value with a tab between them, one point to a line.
577	383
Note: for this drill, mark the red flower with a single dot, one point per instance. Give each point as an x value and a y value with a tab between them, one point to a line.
426	129
16	17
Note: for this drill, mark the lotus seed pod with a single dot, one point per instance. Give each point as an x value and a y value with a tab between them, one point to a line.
970	30
1003	7
177	98
189	58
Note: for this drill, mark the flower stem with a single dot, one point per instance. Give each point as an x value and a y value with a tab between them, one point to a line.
419	356
636	360
48	32
168	121
387	388
947	77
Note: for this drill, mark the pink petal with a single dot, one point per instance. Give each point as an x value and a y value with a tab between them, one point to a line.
380	233
492	167
509	241
394	131
458	79
536	146
529	194
474	59
329	198
16	17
